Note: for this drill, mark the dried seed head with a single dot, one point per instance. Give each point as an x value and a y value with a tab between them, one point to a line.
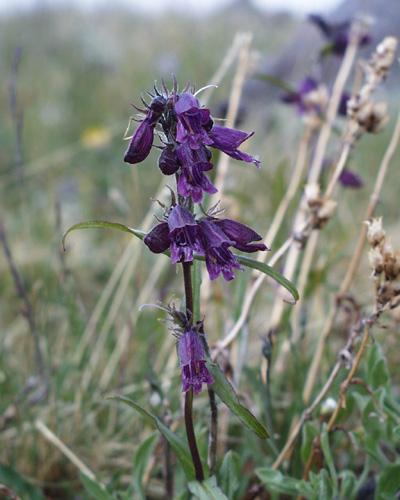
376	260
317	99
384	55
372	117
312	195
375	233
327	210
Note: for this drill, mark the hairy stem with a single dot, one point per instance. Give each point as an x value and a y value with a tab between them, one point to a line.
198	468
187	277
213	438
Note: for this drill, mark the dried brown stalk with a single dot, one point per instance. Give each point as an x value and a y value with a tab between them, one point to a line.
354	263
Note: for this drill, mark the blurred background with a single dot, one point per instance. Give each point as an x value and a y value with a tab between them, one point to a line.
69	73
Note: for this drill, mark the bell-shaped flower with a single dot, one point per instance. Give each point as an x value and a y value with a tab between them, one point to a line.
192	360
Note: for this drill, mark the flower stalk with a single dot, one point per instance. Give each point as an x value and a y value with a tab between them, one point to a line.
191	436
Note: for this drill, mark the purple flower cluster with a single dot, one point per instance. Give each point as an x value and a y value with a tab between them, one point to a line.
189	132
210	237
309	97
337	35
192	360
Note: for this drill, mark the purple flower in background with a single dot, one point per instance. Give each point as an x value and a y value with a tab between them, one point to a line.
301	97
350	179
342	109
337	34
142	140
179	234
192	360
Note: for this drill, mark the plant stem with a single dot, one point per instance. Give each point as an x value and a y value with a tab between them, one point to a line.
213	442
191	436
187	277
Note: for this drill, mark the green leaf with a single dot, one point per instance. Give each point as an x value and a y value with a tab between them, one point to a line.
18	484
309	432
230	473
103	224
348	483
140	462
276	82
94	488
388	482
227	394
326	449
276	482
377	373
269	271
246	261
177	443
207	490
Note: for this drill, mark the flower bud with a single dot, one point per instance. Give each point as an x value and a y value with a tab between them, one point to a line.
328	407
168	161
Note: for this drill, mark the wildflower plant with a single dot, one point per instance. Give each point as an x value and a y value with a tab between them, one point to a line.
189	232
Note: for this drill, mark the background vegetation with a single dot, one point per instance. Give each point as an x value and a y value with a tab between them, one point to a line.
77	75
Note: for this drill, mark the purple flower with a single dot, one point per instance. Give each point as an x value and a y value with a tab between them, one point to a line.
183	234
337	34
300	97
229	140
217	235
179	234
142	140
209	236
191	180
350	179
342	109
192	360
168	162
193	121
241	235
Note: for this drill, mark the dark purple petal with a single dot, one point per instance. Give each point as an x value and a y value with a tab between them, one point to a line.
221	260
308	85
242	235
212	236
228	140
186	103
183	233
192	361
179	218
141	142
342	109
158	238
350	179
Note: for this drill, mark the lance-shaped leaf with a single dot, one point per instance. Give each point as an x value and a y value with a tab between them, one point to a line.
207	490
103	224
226	393
245	261
177	443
